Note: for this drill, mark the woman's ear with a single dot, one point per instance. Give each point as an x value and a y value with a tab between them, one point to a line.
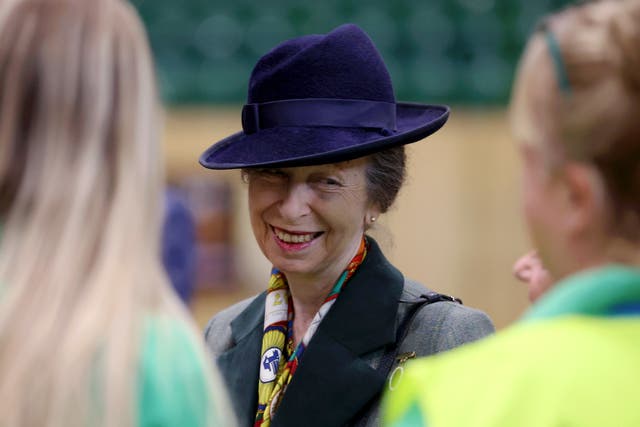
584	207
371	216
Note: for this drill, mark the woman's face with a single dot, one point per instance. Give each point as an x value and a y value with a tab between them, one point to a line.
538	199
309	220
533	126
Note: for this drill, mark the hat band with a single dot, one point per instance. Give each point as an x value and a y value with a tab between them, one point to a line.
311	112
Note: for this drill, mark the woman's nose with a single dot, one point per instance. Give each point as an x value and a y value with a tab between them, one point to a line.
295	202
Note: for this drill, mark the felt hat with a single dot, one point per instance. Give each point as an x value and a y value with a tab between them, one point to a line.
321	99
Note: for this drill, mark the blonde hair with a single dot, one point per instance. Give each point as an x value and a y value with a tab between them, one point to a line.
597	118
80	203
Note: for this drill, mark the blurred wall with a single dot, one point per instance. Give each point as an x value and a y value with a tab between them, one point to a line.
456	226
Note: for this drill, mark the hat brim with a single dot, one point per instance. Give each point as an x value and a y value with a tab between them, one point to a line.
304	146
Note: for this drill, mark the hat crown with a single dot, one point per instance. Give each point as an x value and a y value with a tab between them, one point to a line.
343	64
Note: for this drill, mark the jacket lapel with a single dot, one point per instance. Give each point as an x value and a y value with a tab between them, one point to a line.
335	380
239	365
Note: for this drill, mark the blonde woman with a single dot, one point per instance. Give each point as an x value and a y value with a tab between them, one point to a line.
91	334
574	359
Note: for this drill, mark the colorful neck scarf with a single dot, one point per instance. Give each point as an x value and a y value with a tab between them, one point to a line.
276	371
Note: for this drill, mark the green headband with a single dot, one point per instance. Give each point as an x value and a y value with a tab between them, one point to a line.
558	62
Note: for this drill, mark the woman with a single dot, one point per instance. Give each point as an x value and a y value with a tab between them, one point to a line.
573	359
91	333
322	153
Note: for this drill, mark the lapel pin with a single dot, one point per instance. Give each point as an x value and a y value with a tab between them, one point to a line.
398	372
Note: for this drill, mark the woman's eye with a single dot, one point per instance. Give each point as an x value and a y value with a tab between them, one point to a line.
272	176
327	182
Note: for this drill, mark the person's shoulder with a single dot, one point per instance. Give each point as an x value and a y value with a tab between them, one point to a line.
548	360
217	333
528	353
491	350
446	324
171	342
426	386
161	333
173	378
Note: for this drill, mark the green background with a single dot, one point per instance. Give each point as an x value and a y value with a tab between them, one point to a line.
451	51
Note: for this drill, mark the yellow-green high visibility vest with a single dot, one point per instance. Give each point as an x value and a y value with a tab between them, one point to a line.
574	360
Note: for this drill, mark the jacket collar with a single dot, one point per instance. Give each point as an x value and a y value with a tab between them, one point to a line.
334	380
363	318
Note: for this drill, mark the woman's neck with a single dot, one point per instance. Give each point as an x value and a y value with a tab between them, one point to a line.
309	291
308	295
624	252
612	251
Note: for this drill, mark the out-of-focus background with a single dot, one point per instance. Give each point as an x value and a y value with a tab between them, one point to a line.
456	226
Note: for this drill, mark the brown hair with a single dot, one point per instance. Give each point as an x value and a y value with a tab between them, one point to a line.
385	175
597	120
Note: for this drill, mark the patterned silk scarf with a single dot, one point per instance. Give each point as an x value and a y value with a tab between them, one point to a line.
279	360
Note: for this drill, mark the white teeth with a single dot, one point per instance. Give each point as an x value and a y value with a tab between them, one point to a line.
293	238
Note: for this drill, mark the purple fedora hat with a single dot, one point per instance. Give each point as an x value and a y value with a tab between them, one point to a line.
321	99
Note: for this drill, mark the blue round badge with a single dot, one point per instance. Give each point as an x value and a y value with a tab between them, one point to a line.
269	364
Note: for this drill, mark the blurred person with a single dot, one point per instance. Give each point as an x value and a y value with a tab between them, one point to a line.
573	359
91	333
322	152
530	271
178	244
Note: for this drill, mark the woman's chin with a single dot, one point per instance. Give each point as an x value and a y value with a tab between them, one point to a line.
292	267
302	261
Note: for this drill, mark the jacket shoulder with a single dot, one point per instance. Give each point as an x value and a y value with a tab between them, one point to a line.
442	325
217	333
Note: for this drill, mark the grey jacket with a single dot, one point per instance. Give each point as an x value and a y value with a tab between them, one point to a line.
338	381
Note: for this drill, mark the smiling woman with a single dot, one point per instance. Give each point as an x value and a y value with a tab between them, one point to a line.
322	151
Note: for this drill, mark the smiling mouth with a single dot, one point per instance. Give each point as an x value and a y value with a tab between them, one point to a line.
289	237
